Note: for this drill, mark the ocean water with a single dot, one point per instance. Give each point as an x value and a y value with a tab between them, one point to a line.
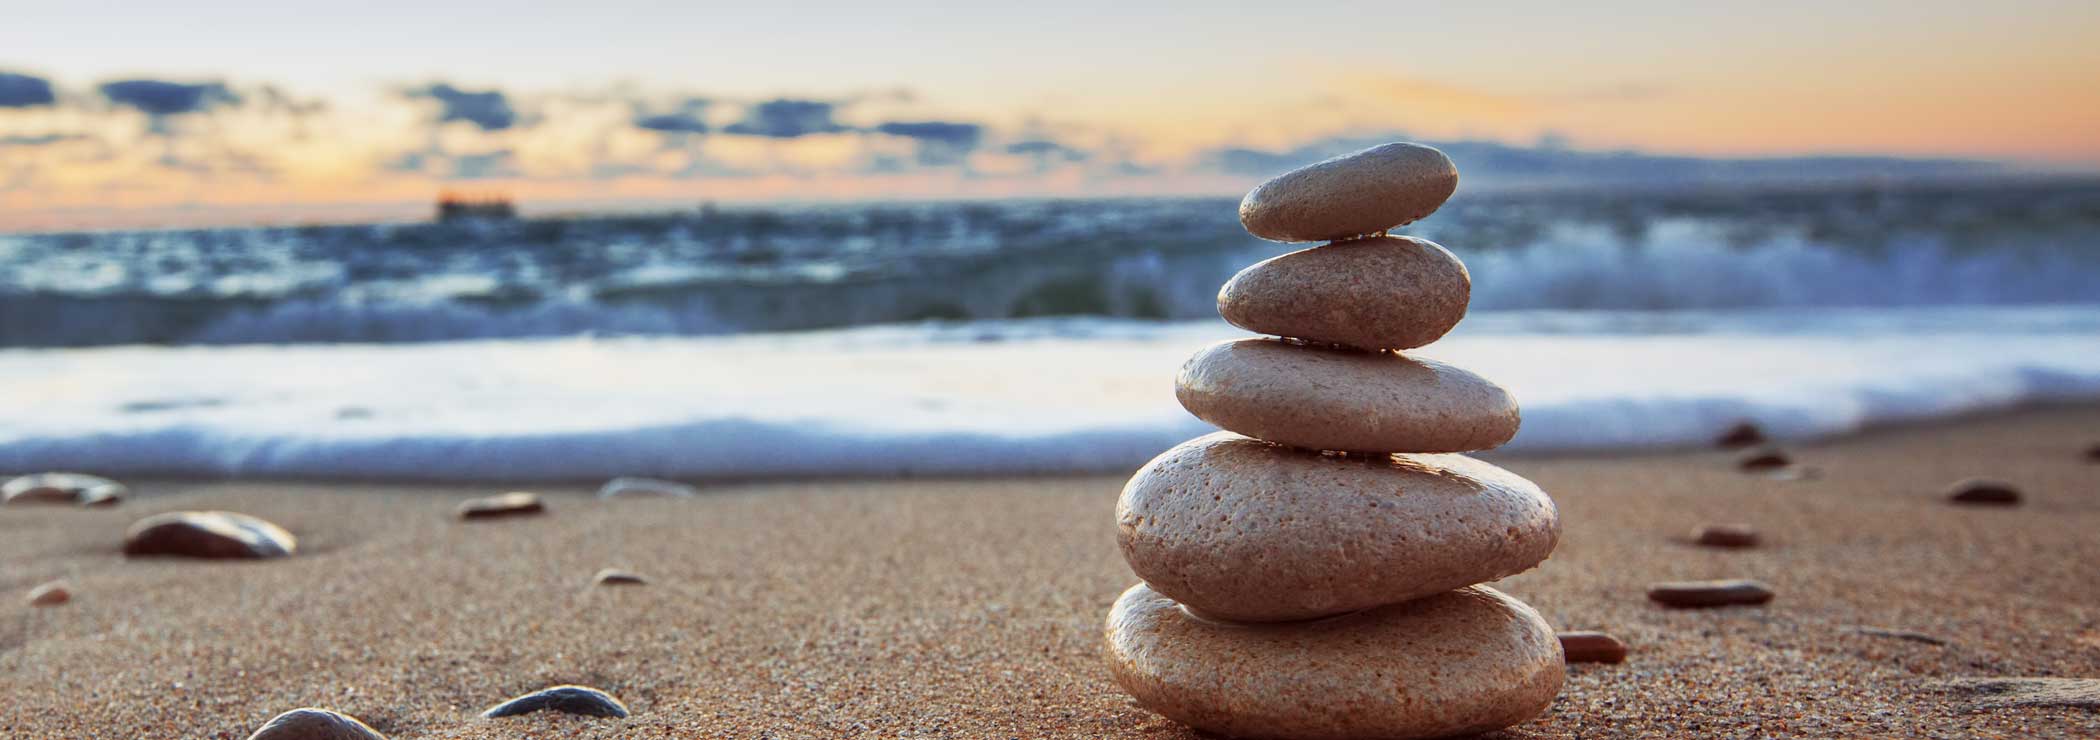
979	338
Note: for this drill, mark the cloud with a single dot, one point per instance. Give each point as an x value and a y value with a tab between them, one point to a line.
163	98
490	109
39	140
23	91
787	118
940	142
1046	150
672	123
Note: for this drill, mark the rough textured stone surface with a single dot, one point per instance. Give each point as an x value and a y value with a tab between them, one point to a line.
1725	536
1245	530
1592	647
1459	662
1699	594
1329	398
50	594
2001	692
1352	195
62	488
617	577
1389	292
582	700
516	503
1983	492
208	534
642	487
315	724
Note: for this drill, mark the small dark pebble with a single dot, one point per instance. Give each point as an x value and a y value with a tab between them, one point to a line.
516	503
1592	647
1983	492
63	488
1763	460
617	577
1896	634
208	534
1725	535
1741	435
1700	594
309	723
2092	454
582	700
2011	691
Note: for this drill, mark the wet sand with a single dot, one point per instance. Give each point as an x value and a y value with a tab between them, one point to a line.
971	608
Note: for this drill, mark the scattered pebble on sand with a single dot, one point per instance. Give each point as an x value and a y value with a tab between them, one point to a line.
1896	634
641	487
1732	536
1763	460
1700	594
1744	434
515	503
309	723
63	488
1592	647
1983	492
617	577
582	700
50	594
2092	454
2010	691
208	534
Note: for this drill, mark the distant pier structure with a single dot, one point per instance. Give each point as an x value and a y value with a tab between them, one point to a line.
454	207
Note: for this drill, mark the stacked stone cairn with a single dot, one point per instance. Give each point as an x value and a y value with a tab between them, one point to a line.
1313	571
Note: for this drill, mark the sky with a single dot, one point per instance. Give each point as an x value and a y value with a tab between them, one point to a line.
122	114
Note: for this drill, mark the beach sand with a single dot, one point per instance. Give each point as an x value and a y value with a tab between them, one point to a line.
972	608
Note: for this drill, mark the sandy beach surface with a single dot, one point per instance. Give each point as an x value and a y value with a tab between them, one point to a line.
972	608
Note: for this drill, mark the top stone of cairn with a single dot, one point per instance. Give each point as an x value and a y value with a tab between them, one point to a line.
1352	195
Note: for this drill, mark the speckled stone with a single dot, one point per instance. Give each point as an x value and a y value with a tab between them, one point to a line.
1388	292
208	534
1352	195
644	488
1460	662
50	594
1245	530
582	700
1329	398
62	488
315	724
513	504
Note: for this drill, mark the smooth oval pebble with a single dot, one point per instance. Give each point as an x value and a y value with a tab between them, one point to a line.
1329	398
1696	594
1354	194
1763	460
1725	535
1592	647
1464	661
310	723
1389	292
208	534
1743	434
1983	492
1245	530
640	487
617	577
582	700
50	594
515	503
62	488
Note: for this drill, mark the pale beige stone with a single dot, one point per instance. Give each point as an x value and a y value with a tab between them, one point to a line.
62	488
1387	292
208	534
1352	195
1332	398
1459	662
513	504
1245	530
315	724
50	594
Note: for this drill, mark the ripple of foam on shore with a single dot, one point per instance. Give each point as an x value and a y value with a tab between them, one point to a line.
1000	398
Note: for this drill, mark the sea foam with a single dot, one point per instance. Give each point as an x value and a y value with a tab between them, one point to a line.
1009	397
